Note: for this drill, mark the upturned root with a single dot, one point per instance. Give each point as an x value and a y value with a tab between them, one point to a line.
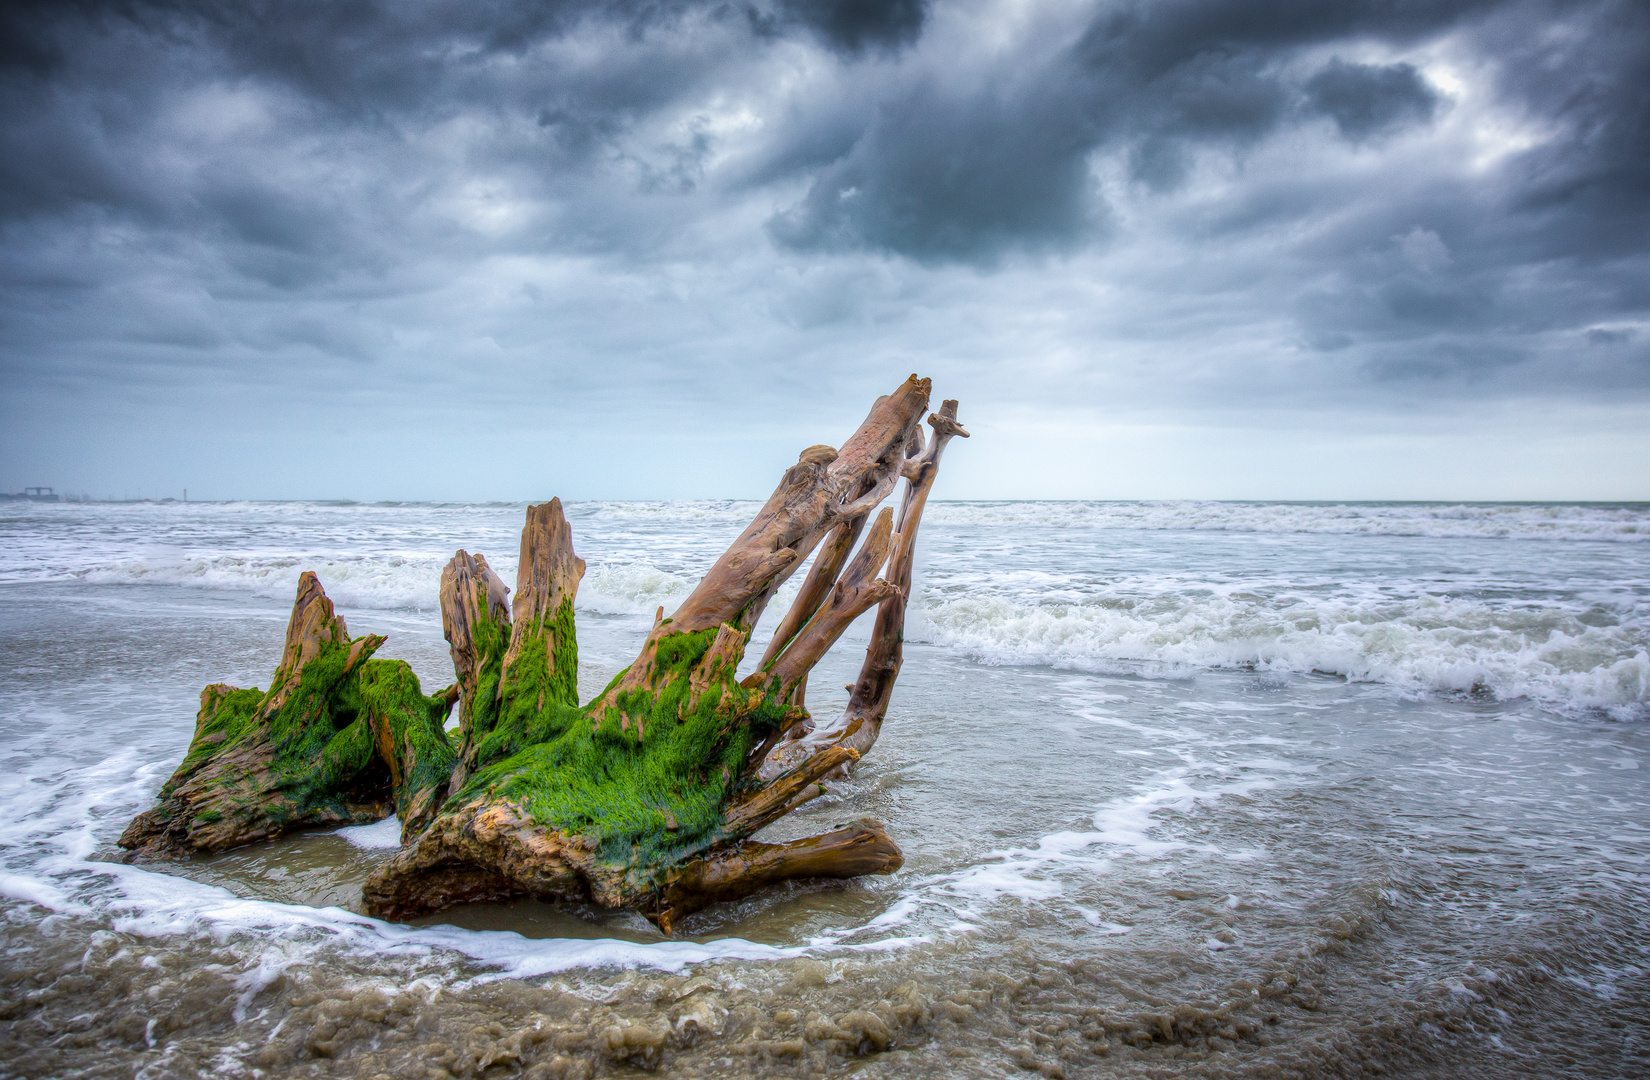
646	797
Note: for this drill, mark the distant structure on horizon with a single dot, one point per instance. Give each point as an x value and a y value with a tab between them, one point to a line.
35	494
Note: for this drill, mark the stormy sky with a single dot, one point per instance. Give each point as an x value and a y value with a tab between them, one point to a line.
479	249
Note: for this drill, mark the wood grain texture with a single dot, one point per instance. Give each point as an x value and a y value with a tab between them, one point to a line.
861	721
648	796
338	739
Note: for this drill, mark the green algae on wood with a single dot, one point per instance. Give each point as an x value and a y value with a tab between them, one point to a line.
537	674
646	797
475	617
339	738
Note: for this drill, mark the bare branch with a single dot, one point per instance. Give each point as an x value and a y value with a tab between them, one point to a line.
851	850
861	722
827	565
786	793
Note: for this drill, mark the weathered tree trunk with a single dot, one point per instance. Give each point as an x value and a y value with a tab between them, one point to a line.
861	721
646	797
526	673
339	738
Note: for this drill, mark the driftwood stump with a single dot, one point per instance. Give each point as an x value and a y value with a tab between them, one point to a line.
647	796
338	739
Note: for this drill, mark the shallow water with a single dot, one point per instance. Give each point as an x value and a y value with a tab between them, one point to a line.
1184	789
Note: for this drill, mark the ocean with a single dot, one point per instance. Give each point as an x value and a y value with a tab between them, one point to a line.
1185	789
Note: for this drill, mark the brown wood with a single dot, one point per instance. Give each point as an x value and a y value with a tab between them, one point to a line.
778	798
815	587
853	594
488	844
649	796
868	699
244	777
311	626
853	850
823	489
547	578
470	595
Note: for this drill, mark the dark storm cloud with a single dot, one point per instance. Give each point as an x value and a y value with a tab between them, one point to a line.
945	163
1589	187
855	25
1367	99
1002	163
938	177
1376	197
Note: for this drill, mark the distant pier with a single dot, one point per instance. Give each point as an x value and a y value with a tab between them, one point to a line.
35	494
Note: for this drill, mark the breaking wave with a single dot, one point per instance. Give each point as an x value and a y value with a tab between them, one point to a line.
1572	659
362	581
1545	521
1048	583
614	587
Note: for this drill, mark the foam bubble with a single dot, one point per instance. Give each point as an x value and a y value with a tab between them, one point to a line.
156	905
380	834
360	581
1124	827
63	875
995	584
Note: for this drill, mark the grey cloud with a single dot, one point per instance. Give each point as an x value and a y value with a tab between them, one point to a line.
1421	303
1586	192
260	214
1004	166
598	202
856	25
938	178
1464	364
56	155
1369	99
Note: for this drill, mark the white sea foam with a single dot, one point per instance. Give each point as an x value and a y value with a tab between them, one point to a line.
733	512
1130	826
51	849
997	582
1546	521
611	587
154	905
631	588
380	834
1425	642
620	587
138	901
1044	584
358	581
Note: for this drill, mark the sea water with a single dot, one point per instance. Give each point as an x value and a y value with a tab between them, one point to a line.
1204	789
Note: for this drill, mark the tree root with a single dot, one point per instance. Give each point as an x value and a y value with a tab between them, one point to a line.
646	797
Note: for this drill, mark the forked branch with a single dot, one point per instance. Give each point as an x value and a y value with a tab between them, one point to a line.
861	721
646	797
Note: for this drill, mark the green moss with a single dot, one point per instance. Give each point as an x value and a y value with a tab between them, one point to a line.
389	693
315	711
679	652
345	756
227	721
478	712
324	741
540	691
648	780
